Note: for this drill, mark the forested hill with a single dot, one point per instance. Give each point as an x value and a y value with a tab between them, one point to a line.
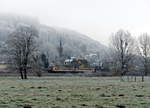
74	43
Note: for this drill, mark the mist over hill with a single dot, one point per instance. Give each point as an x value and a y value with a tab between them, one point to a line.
74	43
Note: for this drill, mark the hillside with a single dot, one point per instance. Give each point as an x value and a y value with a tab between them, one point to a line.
74	43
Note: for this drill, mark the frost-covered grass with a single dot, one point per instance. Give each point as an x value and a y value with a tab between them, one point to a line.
73	92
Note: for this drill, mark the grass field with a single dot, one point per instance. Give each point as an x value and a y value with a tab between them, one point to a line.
73	92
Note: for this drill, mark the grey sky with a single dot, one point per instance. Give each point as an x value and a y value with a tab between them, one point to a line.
95	18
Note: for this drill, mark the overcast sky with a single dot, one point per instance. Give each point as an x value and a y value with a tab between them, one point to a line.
95	18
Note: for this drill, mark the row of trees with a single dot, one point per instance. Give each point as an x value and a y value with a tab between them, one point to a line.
125	50
24	53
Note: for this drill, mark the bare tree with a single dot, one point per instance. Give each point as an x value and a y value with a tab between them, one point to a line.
122	45
22	44
37	65
144	51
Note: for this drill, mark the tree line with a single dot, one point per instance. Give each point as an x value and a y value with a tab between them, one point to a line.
128	55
